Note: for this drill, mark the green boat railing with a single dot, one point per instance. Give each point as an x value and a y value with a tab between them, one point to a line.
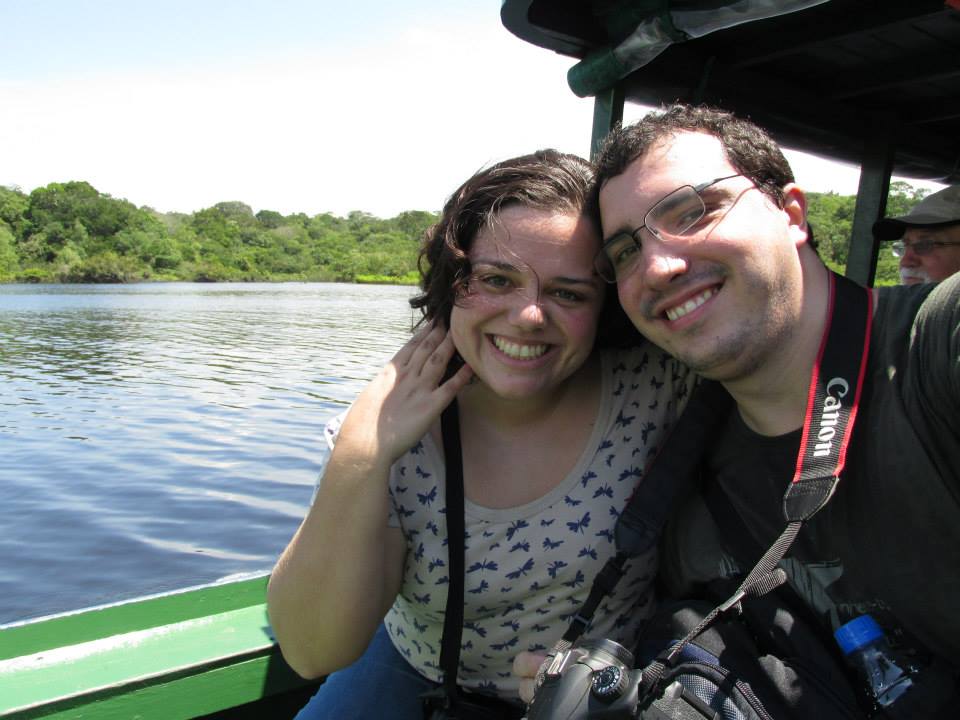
206	651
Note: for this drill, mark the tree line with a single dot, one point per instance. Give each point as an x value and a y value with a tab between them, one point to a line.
70	232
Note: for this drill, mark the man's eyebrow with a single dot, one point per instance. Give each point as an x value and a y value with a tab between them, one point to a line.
720	190
617	234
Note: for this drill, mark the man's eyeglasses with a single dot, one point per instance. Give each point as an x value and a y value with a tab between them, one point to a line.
920	247
675	215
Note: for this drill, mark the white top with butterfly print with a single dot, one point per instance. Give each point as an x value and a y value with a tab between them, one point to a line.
529	568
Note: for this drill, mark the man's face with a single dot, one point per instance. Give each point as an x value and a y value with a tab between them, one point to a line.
938	263
726	297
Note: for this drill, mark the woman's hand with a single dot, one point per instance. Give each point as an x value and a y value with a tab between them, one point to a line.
525	667
345	562
398	406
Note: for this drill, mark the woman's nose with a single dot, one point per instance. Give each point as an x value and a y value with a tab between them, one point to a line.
527	312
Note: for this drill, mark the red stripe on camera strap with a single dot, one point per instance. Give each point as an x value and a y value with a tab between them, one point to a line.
836	383
832	402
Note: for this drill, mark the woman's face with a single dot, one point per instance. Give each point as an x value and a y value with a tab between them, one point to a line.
528	316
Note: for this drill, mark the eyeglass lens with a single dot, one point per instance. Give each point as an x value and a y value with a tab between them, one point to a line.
672	216
920	247
485	287
676	213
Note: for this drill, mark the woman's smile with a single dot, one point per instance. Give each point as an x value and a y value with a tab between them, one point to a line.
528	318
519	350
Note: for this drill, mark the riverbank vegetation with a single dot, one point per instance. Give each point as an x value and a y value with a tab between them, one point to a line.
70	232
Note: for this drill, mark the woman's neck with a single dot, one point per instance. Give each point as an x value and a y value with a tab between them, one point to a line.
517	451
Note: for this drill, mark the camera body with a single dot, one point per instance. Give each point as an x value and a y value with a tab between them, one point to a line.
593	680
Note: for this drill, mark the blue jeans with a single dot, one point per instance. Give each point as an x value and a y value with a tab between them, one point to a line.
381	685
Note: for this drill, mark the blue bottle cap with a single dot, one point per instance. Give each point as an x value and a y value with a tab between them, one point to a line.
857	633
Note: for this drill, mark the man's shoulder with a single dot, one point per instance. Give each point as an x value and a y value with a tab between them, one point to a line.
943	300
907	298
904	299
906	308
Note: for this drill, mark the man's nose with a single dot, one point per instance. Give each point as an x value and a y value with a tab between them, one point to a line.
909	257
661	263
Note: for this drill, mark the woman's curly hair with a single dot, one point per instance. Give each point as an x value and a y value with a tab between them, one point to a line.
545	180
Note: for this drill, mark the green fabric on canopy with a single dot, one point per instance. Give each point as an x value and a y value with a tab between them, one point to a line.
657	24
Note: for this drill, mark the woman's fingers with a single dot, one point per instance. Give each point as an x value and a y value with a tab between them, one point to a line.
454	384
525	667
429	352
405	353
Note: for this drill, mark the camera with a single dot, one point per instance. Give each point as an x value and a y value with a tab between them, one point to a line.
596	680
593	680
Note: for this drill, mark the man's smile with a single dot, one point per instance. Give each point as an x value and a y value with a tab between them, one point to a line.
688	306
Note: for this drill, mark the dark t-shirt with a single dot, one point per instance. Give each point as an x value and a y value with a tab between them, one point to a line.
888	542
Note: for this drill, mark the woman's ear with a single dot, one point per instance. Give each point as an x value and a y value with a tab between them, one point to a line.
795	208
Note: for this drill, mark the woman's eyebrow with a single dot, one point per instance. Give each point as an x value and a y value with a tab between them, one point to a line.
498	264
574	281
509	267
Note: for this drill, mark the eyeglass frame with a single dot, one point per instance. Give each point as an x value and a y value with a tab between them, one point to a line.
922	247
602	257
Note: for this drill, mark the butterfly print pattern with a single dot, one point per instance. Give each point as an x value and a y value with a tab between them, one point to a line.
529	569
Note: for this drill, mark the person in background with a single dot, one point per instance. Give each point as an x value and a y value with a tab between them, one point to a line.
556	429
926	239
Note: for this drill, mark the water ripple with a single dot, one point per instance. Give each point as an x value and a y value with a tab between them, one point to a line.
160	436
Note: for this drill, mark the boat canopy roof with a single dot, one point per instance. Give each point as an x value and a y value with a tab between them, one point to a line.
822	76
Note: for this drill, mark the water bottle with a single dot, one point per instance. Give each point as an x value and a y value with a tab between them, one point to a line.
867	649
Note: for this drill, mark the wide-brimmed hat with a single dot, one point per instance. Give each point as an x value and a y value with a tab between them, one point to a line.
940	208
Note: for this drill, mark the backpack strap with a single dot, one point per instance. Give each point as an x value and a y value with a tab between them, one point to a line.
746	548
671	476
674	472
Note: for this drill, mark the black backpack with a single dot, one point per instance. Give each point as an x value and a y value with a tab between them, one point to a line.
767	662
750	650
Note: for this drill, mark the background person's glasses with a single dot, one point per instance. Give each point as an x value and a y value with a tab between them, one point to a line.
675	215
920	247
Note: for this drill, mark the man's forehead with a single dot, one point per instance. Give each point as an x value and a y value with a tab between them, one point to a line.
682	158
687	157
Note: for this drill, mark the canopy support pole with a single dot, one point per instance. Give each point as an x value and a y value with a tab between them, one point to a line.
607	112
872	193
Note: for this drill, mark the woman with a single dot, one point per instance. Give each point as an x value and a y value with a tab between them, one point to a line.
555	434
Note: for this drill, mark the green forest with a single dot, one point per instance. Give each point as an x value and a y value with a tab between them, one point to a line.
69	232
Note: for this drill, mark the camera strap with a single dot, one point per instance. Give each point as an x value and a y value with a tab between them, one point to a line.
833	398
449	701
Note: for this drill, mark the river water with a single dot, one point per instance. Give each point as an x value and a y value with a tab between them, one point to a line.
160	436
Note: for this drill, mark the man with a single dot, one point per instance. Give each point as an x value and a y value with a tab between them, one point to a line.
705	234
732	286
927	238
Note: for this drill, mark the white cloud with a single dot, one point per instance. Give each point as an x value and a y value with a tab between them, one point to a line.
383	123
383	128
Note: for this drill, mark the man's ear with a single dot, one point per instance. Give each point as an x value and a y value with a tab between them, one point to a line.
795	208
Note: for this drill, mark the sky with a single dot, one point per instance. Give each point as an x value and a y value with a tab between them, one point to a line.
289	105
